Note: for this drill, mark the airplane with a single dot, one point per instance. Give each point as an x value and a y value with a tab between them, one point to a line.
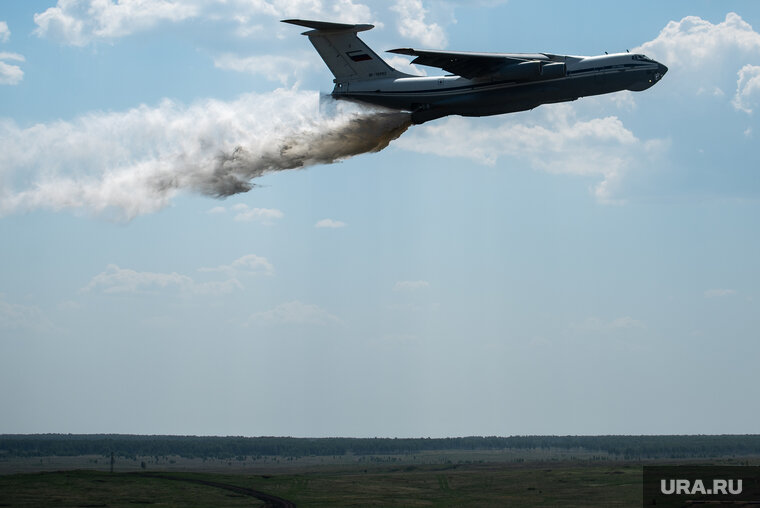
478	84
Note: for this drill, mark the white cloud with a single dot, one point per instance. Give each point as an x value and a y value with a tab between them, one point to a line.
250	264
10	74
410	285
14	316
79	22
262	215
121	280
554	141
703	57
285	69
117	280
330	223
294	313
345	11
217	210
747	88
5	33
719	293
412	24
404	65
694	42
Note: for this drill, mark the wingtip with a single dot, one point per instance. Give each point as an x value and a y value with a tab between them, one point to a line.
401	51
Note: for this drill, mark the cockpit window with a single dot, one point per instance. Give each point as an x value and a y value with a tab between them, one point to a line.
641	57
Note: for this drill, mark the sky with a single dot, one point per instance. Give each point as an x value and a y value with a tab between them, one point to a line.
581	268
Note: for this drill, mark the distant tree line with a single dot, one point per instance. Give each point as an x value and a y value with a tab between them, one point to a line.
630	447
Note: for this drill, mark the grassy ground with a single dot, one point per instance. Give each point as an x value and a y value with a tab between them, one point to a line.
463	485
380	482
118	490
455	485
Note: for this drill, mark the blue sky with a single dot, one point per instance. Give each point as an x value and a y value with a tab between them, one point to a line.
582	268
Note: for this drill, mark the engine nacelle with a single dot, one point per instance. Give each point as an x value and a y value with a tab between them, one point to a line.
523	71
553	70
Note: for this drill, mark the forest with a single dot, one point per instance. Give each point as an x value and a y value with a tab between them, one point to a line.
624	447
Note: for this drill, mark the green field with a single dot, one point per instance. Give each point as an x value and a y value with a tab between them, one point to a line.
566	484
94	488
538	477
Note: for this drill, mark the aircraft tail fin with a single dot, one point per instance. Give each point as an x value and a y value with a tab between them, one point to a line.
347	56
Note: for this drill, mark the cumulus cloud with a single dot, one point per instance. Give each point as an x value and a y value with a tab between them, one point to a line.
412	24
5	33
330	223
692	42
410	285
14	316
121	280
81	22
250	264
555	141
345	11
285	69
124	164
404	65
703	56
747	88
78	22
243	213
10	74
294	313
116	280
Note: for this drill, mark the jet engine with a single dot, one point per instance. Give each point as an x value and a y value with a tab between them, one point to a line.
532	70
523	71
553	70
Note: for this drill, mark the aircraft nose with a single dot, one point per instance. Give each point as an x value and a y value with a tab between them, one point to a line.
661	69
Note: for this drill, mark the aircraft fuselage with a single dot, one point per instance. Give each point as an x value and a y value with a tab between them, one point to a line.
431	97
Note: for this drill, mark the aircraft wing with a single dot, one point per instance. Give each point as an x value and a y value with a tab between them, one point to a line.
465	64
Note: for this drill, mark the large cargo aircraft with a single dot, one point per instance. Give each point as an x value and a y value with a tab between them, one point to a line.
478	84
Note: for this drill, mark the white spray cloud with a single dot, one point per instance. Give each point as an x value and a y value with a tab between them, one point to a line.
130	163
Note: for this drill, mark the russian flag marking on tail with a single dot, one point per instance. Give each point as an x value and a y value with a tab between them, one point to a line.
358	56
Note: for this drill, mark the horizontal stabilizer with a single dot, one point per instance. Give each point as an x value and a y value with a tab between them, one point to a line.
324	27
